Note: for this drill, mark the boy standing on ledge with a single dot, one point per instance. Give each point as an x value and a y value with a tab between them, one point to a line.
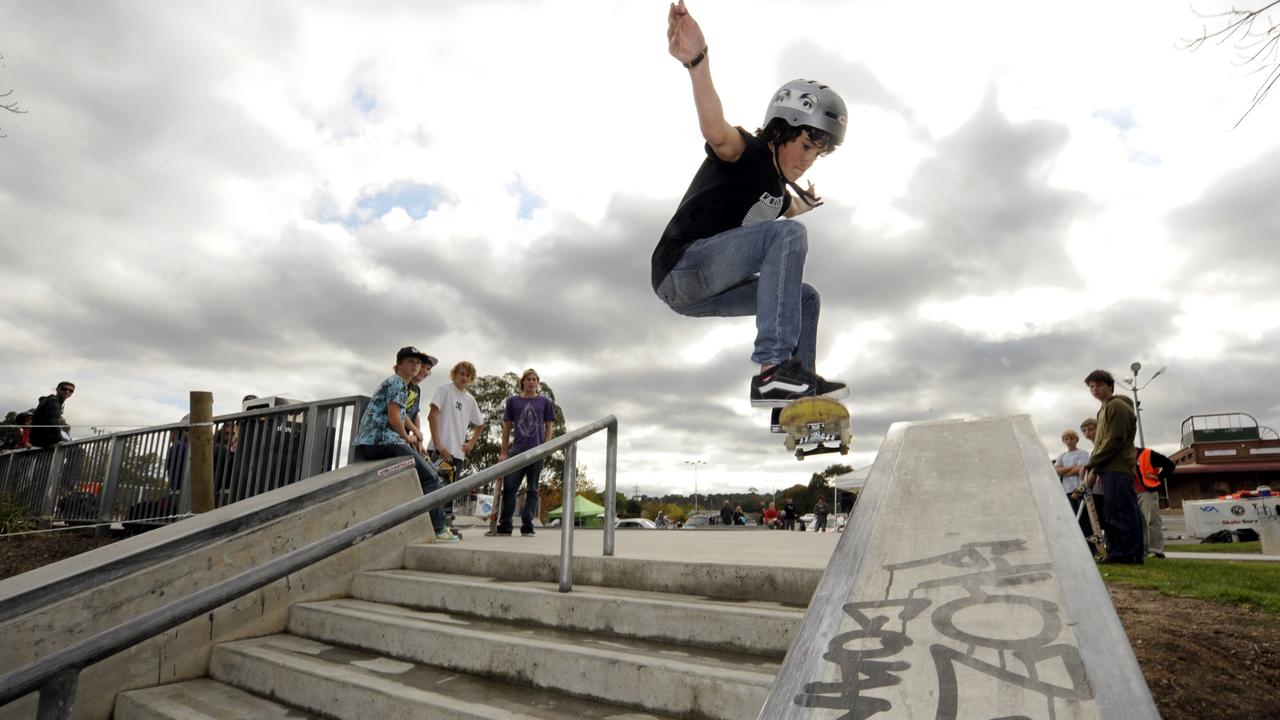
725	253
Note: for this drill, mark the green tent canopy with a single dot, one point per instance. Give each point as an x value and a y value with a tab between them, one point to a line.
585	512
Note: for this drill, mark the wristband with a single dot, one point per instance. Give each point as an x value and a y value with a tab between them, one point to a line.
697	60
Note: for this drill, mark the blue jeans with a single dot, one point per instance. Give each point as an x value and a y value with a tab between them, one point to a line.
427	477
755	270
510	488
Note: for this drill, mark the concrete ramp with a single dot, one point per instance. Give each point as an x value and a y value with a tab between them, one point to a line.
962	588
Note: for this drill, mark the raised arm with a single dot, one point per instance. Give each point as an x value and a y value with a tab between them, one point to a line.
686	44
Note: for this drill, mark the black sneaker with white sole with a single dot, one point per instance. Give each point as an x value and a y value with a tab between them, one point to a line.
789	381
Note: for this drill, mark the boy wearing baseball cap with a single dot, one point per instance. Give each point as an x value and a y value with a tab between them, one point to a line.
383	432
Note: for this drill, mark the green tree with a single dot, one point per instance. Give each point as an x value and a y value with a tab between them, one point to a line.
9	431
822	480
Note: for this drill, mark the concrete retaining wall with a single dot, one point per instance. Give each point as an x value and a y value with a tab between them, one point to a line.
230	540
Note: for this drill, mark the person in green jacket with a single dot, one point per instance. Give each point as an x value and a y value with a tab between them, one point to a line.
1112	462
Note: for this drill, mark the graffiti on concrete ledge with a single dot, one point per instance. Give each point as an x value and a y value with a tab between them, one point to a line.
983	588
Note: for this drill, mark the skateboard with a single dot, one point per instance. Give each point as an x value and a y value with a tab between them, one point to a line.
820	423
447	476
1096	539
497	506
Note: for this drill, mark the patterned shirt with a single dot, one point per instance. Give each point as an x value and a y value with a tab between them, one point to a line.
375	427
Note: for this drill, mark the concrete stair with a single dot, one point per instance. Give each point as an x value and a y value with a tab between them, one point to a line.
503	642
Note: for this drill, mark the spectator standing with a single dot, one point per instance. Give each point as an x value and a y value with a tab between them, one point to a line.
1070	468
382	434
820	513
789	514
726	514
47	423
414	399
1154	471
528	420
1090	430
453	410
1113	459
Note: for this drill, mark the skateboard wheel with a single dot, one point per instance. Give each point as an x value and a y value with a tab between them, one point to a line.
799	454
844	449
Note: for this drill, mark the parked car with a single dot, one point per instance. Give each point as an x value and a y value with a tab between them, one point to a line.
635	524
699	521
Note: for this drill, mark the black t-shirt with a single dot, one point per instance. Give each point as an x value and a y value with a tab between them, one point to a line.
722	196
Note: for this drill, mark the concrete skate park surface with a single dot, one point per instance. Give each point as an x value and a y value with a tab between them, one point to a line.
749	546
745	564
961	588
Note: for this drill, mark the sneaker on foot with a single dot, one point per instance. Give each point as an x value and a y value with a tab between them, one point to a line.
789	381
447	536
775	421
526	532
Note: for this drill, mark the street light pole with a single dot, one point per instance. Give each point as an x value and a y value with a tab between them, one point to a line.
1135	387
1137	406
695	464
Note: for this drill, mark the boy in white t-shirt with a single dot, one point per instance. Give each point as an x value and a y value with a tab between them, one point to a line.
453	409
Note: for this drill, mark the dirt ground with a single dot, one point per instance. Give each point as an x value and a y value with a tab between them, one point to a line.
27	552
1201	659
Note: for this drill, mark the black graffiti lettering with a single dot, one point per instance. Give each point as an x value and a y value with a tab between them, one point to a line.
1050	624
861	668
946	658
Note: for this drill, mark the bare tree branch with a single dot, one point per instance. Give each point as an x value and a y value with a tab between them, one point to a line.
1256	39
11	106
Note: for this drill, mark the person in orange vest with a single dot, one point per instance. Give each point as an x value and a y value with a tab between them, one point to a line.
1152	473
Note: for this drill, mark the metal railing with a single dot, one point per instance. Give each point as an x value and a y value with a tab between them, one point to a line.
142	476
56	675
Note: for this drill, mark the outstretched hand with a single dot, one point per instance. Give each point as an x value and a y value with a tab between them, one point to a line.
684	37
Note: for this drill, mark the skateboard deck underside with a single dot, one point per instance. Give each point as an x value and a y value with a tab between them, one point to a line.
814	426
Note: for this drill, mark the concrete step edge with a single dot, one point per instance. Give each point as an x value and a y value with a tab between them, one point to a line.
680	684
680	619
188	700
347	692
769	583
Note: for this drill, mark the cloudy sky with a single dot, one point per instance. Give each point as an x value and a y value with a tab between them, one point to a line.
273	197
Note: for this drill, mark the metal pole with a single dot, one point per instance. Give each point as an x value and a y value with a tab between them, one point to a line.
1137	409
567	487
57	696
200	451
610	485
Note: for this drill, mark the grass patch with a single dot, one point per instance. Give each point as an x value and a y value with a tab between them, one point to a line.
1251	584
1238	547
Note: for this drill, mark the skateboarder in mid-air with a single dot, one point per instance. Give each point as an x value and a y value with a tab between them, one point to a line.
725	252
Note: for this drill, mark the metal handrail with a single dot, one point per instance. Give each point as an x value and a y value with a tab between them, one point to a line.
56	675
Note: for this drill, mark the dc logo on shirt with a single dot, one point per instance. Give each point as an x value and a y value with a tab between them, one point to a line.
457	405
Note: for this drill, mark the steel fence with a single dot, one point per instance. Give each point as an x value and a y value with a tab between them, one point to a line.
143	476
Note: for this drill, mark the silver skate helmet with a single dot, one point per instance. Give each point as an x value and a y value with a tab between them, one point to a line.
808	102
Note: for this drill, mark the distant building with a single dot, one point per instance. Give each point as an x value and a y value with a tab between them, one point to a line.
1222	454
